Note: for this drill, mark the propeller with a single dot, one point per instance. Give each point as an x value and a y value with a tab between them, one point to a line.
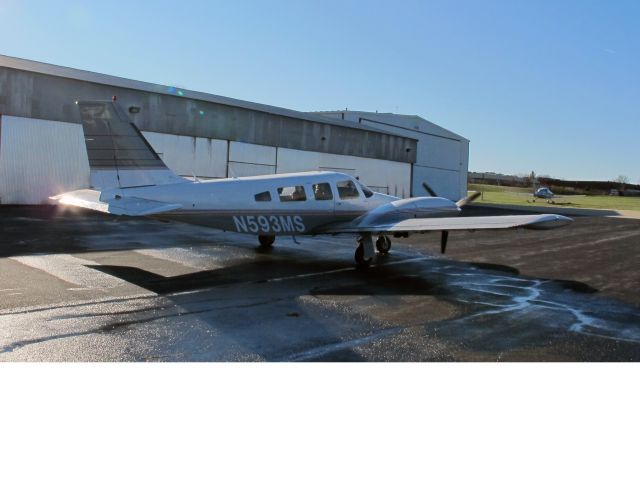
468	199
460	203
429	189
443	241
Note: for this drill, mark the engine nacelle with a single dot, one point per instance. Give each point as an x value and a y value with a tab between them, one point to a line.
416	207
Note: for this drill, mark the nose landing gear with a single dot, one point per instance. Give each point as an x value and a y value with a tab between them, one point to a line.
365	251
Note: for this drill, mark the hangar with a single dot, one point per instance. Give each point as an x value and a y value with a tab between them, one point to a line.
442	158
202	135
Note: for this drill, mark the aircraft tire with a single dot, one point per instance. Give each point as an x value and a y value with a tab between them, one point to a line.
266	240
359	257
383	244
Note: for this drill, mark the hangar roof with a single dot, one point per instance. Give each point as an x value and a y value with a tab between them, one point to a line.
396	121
101	78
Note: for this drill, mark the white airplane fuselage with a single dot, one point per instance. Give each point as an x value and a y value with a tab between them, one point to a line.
283	204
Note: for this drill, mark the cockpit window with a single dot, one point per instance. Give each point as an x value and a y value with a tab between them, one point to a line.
347	189
367	192
292	194
322	191
263	197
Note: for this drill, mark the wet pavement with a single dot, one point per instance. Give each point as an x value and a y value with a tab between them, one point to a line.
86	287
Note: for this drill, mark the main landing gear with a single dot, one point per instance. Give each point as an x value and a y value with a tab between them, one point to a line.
383	244
266	240
365	251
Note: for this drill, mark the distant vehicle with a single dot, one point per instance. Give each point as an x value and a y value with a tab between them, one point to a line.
543	192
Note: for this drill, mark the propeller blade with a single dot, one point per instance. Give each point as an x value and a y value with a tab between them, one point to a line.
443	241
429	189
468	199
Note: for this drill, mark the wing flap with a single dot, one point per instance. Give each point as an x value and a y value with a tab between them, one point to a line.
131	206
536	222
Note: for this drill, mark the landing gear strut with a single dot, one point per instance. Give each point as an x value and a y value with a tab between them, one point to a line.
266	240
364	252
383	244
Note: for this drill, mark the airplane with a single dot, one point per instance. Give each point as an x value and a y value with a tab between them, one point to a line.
129	178
543	192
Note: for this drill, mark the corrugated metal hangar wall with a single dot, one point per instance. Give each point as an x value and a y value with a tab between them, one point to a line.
442	159
42	146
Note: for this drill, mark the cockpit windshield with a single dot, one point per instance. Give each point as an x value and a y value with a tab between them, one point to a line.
367	192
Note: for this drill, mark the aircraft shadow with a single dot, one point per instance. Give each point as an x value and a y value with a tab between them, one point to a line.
501	327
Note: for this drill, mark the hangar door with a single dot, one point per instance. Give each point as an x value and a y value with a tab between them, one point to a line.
440	163
247	159
40	158
191	156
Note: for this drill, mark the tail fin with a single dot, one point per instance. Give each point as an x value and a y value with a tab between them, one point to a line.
119	156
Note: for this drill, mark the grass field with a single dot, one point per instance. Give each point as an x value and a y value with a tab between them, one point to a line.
523	196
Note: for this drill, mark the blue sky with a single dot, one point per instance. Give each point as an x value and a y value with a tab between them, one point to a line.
549	86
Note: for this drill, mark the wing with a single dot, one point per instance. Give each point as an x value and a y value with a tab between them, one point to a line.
132	206
537	222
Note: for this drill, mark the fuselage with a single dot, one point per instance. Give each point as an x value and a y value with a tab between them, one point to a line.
282	204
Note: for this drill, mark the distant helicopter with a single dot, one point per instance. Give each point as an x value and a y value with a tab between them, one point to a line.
543	192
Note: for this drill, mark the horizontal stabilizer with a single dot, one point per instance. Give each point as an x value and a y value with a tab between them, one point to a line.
119	205
537	222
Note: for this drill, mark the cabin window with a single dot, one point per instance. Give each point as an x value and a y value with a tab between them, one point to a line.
347	189
263	197
322	191
292	194
366	190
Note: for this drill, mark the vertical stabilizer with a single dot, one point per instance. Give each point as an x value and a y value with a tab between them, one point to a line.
119	155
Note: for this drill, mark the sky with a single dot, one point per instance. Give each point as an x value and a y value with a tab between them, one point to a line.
545	86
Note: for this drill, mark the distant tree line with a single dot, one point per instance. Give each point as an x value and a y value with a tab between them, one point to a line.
619	186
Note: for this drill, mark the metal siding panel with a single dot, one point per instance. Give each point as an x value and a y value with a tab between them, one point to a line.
173	150
178	152
440	153
211	158
189	156
446	183
291	161
464	167
238	169
250	153
40	158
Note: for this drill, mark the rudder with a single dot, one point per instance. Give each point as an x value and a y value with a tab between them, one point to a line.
119	155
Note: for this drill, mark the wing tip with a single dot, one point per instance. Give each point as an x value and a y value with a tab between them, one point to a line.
547	221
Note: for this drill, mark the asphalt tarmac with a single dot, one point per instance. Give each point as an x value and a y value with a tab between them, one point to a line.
80	286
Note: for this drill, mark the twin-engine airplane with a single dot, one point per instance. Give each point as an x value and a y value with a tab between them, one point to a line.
129	178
